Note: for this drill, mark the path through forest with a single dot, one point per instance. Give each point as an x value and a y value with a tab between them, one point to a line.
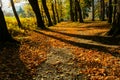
81	40
71	51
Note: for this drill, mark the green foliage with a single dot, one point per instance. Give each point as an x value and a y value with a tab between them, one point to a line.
85	5
28	12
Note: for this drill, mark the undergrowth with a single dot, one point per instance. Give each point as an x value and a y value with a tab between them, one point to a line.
15	30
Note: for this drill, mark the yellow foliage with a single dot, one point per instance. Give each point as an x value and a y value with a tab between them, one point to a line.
27	24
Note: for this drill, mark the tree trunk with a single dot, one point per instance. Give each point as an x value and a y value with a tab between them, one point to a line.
15	13
53	10
58	19
110	12
71	11
102	10
76	12
47	13
36	9
43	15
4	34
79	11
115	9
93	11
115	30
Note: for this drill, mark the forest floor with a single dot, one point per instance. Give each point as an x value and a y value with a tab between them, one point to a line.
66	51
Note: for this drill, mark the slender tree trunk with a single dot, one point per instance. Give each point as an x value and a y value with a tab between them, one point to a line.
110	12
4	34
106	9
79	11
93	11
57	15
71	11
53	10
115	10
47	13
76	12
36	9
15	13
102	10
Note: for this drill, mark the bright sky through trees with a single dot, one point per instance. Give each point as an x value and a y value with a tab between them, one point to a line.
5	4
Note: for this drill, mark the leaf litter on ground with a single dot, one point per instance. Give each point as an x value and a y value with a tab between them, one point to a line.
66	51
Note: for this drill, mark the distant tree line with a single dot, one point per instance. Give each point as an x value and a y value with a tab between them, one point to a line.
106	10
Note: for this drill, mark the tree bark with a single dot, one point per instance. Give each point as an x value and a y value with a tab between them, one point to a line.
102	10
57	15
79	11
115	30
36	9
110	12
4	34
53	10
47	13
115	9
93	11
71	11
15	13
76	12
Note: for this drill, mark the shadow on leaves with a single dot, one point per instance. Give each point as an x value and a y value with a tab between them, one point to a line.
84	45
11	67
100	39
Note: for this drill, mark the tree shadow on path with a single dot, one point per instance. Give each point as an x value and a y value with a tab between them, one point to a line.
99	39
83	45
11	67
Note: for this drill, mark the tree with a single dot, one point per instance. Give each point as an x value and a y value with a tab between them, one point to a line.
53	11
4	34
110	9
79	11
102	10
93	11
71	11
56	10
76	12
36	9
115	9
15	13
47	12
115	30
